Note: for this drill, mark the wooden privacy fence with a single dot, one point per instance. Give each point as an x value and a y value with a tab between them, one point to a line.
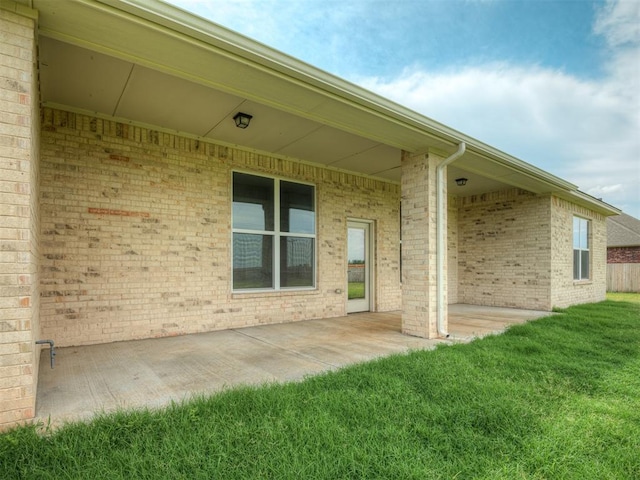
623	277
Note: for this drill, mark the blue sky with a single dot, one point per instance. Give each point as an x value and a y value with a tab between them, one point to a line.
554	83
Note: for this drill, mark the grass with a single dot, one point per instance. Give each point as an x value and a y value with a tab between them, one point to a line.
356	290
624	297
558	398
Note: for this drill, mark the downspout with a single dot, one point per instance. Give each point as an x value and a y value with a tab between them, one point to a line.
440	239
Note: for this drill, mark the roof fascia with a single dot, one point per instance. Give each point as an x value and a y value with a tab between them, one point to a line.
216	35
189	27
586	200
290	68
223	44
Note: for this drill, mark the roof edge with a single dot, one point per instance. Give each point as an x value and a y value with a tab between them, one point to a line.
595	204
219	36
293	70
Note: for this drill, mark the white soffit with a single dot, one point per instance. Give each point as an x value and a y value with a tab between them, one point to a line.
270	130
373	161
170	102
108	30
476	184
76	77
81	78
327	145
165	39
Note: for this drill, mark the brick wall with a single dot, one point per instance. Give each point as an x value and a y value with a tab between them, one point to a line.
452	250
515	249
19	285
564	290
136	234
419	295
623	255
504	245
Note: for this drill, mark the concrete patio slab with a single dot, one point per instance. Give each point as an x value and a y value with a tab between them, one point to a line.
154	372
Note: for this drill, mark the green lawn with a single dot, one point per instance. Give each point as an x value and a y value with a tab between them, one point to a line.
624	297
356	290
558	398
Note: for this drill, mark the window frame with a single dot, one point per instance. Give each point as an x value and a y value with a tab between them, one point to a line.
582	223
277	234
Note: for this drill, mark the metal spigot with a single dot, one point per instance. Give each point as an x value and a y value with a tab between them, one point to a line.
52	350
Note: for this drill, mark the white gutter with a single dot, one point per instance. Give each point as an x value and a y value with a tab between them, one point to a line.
440	239
377	118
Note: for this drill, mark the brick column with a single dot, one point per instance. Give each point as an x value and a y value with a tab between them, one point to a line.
419	294
19	224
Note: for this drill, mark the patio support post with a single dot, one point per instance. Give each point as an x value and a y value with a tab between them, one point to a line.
419	237
19	228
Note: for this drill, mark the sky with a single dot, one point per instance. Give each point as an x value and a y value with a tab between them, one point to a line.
554	83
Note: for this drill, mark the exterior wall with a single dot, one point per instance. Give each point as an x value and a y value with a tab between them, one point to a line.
452	250
623	254
504	250
19	284
564	290
419	295
136	234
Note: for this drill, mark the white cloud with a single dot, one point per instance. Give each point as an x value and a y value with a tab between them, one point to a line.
618	22
586	131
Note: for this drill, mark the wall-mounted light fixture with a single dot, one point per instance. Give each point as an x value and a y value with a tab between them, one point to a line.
461	182
242	119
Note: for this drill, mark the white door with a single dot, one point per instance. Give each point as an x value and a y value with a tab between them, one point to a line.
359	267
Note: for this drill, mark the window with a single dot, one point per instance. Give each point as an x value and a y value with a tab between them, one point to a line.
580	248
273	233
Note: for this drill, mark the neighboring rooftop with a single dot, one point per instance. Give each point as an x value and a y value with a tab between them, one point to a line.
623	231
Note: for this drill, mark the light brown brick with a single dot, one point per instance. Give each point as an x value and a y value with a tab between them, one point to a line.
136	235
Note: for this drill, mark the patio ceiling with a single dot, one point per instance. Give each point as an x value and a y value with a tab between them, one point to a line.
86	80
146	62
94	82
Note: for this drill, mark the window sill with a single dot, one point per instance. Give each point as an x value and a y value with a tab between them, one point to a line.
273	293
582	282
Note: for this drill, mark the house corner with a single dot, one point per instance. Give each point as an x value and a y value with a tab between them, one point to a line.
19	281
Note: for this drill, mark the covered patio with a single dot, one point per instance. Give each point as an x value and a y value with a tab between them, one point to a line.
154	372
136	208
